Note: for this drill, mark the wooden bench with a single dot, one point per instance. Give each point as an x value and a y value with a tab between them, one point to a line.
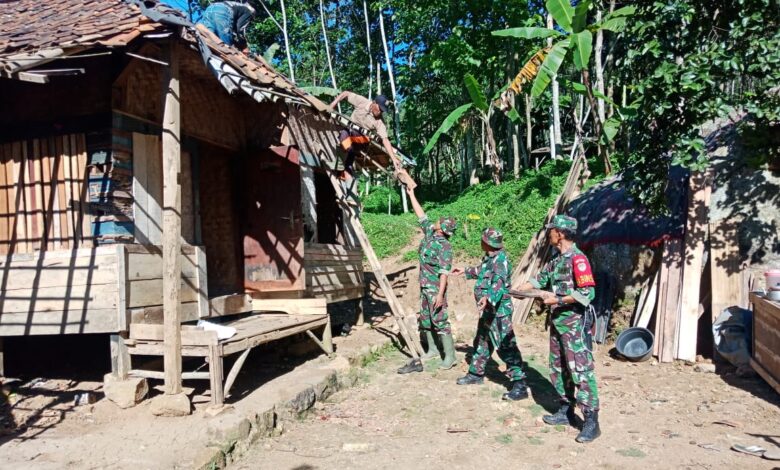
252	331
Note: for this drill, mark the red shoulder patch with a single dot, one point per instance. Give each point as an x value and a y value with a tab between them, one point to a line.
583	275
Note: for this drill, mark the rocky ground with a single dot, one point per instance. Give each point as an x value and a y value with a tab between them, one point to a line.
653	416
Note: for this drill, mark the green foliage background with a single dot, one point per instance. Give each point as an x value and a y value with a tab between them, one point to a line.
517	208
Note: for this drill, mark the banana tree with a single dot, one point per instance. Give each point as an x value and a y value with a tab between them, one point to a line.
483	110
574	34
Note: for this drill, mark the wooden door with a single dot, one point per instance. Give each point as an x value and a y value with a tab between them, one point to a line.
272	225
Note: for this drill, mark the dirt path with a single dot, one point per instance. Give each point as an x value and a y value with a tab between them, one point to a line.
654	416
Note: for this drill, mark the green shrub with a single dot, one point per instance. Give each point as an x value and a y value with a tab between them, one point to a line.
376	201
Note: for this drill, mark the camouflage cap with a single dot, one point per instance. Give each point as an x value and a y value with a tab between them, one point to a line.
493	237
448	225
563	222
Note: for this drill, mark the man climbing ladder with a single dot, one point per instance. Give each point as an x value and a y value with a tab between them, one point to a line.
367	114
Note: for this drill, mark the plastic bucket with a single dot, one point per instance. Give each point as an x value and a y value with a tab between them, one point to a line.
772	279
635	344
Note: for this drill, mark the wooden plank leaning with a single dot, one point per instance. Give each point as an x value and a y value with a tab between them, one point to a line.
693	259
395	306
538	251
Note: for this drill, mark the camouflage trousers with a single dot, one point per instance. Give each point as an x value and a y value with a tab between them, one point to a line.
494	332
571	364
436	320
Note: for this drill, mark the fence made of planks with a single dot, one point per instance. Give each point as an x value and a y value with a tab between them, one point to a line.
43	194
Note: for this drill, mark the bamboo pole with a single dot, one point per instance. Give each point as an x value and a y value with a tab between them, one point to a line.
171	150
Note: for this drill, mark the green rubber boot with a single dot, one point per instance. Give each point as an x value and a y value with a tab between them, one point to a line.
448	344
433	351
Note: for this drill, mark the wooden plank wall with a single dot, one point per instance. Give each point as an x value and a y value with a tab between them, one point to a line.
59	292
333	271
144	278
43	194
766	340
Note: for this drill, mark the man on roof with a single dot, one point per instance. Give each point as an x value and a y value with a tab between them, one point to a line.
229	21
367	114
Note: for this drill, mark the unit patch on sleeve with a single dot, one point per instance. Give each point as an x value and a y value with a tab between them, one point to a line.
583	275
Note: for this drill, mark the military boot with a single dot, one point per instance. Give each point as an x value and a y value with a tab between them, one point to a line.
590	429
448	344
415	365
469	379
519	391
433	351
564	415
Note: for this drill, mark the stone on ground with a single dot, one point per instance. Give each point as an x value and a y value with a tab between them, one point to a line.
171	405
125	393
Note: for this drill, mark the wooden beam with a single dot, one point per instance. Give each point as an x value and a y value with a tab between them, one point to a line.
316	306
700	186
396	308
171	149
235	370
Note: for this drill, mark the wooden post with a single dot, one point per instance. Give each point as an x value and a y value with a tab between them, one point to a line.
120	357
171	151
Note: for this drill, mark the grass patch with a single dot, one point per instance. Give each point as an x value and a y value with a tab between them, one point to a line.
384	351
409	256
536	441
560	428
504	439
631	452
389	234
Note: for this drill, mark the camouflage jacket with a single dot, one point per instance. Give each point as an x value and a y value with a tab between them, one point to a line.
568	274
435	253
493	277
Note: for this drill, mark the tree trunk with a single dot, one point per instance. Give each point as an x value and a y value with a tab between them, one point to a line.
287	42
599	67
528	130
597	124
327	49
368	49
391	77
492	155
472	158
555	138
378	79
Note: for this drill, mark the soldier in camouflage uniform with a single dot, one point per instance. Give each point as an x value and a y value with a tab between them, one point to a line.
571	362
494	331
435	254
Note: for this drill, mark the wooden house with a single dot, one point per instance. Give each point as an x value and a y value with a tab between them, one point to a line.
90	91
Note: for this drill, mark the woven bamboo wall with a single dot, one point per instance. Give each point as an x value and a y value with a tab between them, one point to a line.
208	112
43	195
